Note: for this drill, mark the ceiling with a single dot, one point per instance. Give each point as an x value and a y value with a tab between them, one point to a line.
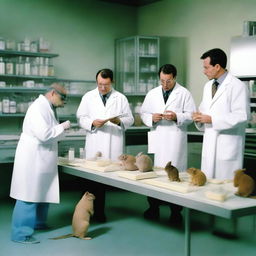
132	2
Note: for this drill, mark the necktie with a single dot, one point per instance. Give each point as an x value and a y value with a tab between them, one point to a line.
166	96
214	87
104	99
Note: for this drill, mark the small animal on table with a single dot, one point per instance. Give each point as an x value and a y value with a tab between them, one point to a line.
172	172
128	162
198	178
81	218
245	181
144	162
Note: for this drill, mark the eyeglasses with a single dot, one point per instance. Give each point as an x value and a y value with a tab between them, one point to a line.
63	96
104	85
167	81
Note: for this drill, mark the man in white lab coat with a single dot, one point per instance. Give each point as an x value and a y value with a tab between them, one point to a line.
167	109
105	114
35	181
223	115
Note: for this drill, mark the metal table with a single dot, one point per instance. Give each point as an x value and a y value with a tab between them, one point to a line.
231	208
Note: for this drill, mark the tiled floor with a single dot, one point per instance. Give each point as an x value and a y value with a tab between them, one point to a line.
126	233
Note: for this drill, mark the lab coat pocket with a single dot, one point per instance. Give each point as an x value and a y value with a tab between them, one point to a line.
152	140
228	147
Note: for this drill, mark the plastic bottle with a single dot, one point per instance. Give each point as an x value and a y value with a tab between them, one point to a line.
71	154
27	67
2	66
5	105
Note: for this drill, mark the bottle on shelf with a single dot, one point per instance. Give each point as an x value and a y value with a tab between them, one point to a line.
12	105
5	105
9	67
137	118
2	43
27	67
2	66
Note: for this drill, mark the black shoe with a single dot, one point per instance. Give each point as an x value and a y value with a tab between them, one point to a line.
151	214
176	219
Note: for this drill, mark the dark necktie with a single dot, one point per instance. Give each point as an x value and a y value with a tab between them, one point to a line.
166	95
214	87
104	99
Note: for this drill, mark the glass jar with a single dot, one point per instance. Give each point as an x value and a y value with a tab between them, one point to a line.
2	43
2	66
9	67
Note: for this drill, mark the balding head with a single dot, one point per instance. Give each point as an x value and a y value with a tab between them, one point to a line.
56	94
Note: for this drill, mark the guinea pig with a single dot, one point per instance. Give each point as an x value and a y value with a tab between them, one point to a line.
128	162
172	172
198	178
245	181
144	162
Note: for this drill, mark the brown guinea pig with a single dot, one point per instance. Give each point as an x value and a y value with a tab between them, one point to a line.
172	172
198	178
245	183
128	162
144	162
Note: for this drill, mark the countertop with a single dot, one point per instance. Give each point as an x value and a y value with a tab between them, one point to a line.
78	134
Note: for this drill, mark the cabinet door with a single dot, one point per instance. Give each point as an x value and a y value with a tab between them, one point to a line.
125	65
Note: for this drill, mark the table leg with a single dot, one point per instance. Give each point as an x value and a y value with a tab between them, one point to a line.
187	232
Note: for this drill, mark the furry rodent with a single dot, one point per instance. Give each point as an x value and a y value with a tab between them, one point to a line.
81	217
144	162
128	162
245	181
172	172
198	178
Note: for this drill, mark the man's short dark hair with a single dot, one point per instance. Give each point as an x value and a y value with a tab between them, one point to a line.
168	69
105	73
217	56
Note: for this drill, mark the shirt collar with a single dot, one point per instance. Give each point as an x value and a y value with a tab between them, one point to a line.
222	78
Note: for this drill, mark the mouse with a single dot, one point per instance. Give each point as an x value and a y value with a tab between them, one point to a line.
81	217
245	181
143	162
128	162
198	178
172	172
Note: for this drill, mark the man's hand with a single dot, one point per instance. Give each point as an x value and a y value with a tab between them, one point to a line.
98	123
201	118
156	117
170	115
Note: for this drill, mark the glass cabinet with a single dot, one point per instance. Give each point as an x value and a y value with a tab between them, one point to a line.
136	64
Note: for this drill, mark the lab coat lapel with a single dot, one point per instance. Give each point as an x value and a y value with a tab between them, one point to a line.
221	90
173	95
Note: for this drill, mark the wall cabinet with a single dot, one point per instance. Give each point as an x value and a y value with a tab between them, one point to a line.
136	64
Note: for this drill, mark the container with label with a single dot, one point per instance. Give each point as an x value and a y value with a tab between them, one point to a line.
71	154
9	67
5	105
2	66
2	43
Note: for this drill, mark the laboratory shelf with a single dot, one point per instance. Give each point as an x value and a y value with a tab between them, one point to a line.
27	54
29	77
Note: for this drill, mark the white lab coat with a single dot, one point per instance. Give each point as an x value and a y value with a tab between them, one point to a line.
168	139
35	173
223	141
108	139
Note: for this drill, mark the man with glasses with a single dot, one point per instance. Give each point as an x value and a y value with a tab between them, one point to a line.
105	114
35	181
167	110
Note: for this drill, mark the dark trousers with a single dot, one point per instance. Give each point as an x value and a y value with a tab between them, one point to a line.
155	203
99	191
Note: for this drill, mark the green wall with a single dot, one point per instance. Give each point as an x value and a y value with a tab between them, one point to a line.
203	24
81	32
